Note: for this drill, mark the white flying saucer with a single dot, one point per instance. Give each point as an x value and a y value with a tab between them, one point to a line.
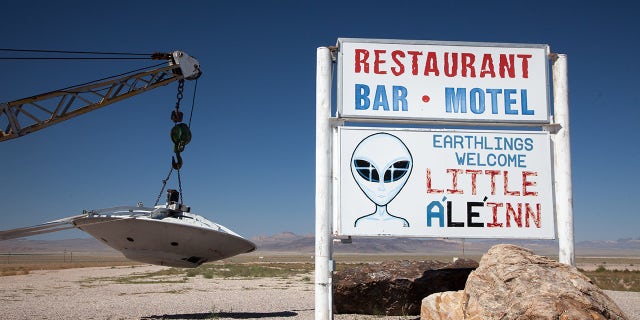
166	235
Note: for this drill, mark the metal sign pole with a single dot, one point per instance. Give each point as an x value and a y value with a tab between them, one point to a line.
562	161
323	265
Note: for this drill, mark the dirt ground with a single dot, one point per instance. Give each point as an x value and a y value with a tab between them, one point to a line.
115	293
99	293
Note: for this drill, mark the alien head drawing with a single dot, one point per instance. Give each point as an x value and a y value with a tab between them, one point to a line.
381	165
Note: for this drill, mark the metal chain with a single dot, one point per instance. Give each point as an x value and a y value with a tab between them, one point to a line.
176	120
180	90
180	188
164	184
176	116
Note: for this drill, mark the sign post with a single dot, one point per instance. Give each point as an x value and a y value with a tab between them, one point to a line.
420	181
323	265
562	161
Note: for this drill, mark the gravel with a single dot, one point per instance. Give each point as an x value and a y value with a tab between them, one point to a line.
97	293
629	302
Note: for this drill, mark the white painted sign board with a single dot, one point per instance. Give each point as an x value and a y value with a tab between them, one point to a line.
443	183
449	81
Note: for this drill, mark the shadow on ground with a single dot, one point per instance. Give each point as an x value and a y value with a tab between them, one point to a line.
231	315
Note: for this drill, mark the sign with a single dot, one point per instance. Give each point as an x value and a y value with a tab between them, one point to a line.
453	81
444	183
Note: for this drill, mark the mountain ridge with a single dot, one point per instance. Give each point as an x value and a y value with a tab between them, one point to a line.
294	243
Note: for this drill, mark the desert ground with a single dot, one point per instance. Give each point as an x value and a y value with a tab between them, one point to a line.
146	292
98	293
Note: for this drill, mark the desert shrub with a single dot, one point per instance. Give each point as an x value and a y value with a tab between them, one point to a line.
617	280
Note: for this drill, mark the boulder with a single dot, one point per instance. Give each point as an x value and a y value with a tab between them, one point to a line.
514	283
395	287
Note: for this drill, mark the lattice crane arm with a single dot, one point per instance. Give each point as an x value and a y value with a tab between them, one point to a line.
20	117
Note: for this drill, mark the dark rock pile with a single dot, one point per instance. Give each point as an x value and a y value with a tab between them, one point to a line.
395	287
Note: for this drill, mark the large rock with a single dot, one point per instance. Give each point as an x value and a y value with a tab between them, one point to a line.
513	283
395	287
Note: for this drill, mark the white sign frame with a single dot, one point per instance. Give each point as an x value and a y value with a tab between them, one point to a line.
385	79
325	151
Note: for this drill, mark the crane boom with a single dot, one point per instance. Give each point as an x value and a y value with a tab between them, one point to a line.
20	117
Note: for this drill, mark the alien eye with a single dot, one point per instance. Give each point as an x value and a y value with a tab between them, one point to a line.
366	170
396	171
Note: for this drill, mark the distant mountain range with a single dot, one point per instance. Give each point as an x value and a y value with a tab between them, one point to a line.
290	242
293	243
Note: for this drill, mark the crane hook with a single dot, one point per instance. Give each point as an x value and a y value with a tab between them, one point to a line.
176	165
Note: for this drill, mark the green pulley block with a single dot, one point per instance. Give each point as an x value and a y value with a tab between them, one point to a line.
181	136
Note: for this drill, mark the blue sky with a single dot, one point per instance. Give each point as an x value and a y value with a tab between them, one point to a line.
250	165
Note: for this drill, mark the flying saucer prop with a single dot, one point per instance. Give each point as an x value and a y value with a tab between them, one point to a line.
167	235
